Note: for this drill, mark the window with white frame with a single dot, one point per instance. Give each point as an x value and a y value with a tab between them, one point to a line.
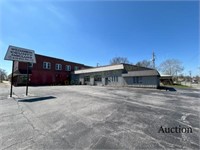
58	67
68	68
76	68
46	65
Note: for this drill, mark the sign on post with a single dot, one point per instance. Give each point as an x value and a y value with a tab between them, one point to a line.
22	55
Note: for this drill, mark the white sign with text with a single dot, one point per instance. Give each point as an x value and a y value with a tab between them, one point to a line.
20	54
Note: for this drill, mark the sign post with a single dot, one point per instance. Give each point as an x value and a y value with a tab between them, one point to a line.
12	78
22	55
27	80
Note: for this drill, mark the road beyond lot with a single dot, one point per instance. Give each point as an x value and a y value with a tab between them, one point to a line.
93	117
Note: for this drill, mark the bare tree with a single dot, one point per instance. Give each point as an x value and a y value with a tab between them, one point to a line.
144	63
171	67
119	60
3	75
197	78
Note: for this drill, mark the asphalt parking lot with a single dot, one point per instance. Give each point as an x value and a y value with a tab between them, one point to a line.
94	117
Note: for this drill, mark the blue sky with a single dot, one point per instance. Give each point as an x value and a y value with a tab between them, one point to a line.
92	32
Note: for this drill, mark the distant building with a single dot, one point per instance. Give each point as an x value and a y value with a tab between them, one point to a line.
46	71
166	79
119	75
195	80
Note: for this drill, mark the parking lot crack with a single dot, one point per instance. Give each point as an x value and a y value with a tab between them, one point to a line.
20	142
23	114
11	115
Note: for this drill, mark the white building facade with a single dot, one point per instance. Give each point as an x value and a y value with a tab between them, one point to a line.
119	75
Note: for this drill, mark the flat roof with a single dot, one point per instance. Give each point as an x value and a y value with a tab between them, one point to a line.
165	75
99	69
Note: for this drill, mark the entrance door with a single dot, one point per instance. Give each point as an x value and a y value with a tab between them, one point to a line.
106	81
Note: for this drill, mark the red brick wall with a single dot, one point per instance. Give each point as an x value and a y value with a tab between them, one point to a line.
40	76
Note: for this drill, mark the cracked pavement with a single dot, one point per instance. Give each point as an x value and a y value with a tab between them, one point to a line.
93	117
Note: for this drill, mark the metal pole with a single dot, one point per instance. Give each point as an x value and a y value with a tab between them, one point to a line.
12	79
27	80
153	60
0	77
190	78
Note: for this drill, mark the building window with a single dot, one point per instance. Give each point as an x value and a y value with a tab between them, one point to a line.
68	68
87	79
97	78
46	65
137	80
114	79
75	67
58	67
134	79
140	80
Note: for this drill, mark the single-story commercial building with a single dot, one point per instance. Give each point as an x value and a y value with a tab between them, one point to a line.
119	75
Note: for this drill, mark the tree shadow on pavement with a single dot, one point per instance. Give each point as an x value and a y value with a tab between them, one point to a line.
36	99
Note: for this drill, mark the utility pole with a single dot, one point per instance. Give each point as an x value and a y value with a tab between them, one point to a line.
1	75
190	72
153	59
185	78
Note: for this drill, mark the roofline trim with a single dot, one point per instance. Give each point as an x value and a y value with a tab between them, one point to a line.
99	69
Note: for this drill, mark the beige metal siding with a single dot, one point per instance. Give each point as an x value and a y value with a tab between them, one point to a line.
151	81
